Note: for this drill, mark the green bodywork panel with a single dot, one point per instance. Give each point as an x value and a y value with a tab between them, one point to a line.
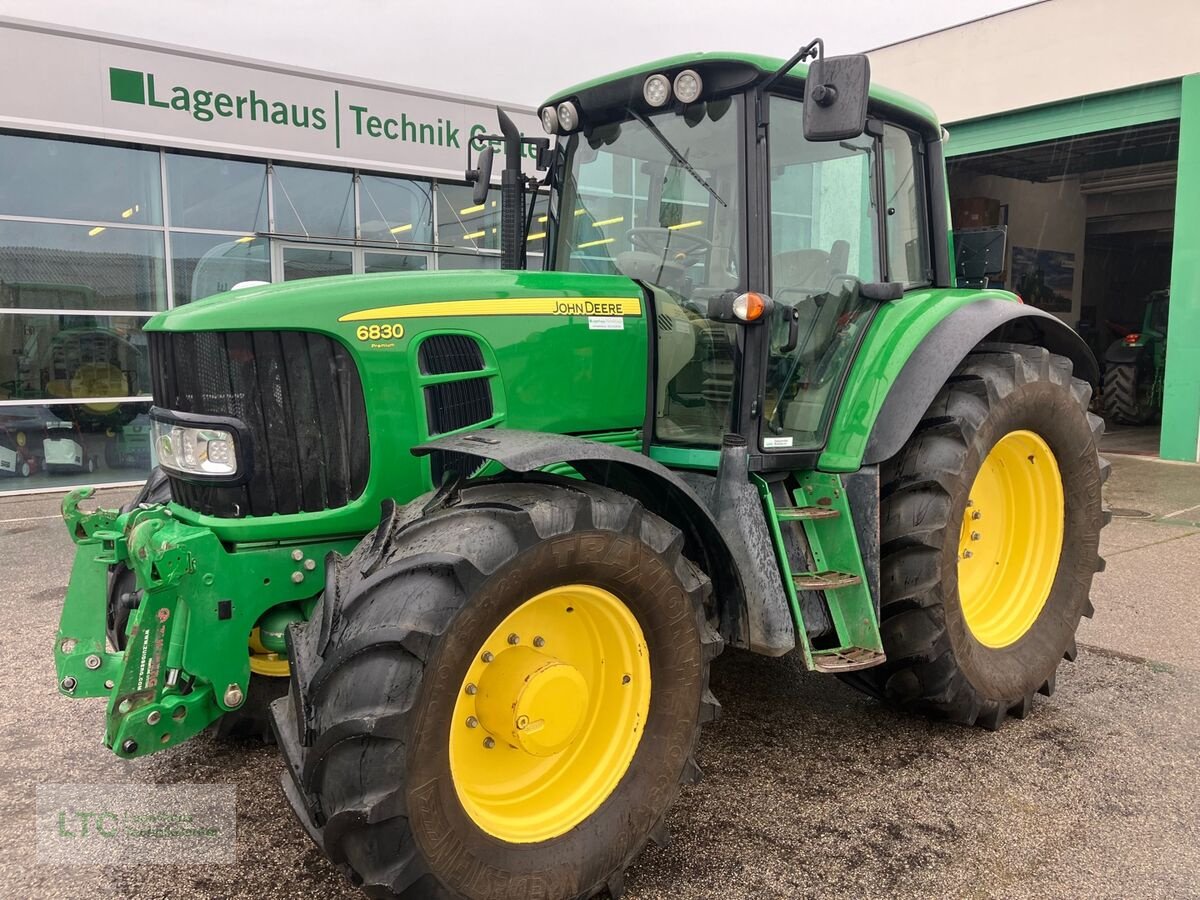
764	64
549	372
897	330
187	640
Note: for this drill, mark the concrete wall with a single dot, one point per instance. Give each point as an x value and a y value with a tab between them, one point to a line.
1049	51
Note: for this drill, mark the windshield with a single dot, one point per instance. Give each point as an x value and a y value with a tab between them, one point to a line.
657	199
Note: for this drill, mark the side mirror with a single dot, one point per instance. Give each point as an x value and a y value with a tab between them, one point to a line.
835	98
979	254
482	177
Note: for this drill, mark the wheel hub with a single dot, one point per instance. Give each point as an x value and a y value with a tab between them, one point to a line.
550	714
1011	539
532	701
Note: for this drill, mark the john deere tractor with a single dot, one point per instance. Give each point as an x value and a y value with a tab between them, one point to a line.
489	530
1134	367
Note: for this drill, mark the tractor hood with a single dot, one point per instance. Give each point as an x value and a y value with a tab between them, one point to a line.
434	354
337	305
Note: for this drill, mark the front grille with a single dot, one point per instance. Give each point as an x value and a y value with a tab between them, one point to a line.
301	400
443	354
457	404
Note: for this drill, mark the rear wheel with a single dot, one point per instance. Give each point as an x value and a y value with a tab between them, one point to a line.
500	698
1124	395
990	527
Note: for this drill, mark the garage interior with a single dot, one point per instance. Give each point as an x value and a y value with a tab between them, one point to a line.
1090	228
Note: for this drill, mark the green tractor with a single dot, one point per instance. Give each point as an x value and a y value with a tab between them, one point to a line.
1135	365
489	530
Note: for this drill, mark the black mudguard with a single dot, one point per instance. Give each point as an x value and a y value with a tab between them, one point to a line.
947	345
1120	353
744	586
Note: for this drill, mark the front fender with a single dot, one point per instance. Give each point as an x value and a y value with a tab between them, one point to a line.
913	347
653	485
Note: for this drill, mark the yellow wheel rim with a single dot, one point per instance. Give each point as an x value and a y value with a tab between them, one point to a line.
1011	540
550	714
266	662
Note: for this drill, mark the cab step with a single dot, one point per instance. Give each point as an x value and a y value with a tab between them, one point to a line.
825	581
805	513
818	511
847	659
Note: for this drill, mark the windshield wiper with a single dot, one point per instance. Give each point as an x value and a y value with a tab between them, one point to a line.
677	156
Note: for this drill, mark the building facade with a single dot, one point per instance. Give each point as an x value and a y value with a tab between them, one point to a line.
139	177
1076	123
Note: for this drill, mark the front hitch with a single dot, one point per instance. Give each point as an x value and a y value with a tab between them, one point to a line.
187	657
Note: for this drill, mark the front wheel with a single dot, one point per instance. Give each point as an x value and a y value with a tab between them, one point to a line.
990	529
500	698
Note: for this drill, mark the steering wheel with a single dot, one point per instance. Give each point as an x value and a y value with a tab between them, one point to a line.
658	241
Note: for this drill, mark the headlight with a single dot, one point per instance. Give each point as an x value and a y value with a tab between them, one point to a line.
549	120
688	86
196	449
657	90
568	116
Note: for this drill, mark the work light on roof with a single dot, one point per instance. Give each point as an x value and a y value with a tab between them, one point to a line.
568	116
688	86
549	119
657	90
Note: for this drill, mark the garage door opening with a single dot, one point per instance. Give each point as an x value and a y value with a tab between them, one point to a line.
1090	228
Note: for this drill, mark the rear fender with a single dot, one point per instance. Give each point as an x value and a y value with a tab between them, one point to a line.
947	344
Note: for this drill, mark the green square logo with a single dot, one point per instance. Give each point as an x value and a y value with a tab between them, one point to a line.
127	85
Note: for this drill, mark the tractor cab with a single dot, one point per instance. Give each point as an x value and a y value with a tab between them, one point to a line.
767	224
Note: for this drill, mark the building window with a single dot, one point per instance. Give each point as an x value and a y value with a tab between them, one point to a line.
100	267
217	194
465	224
313	202
395	209
73	180
73	356
207	264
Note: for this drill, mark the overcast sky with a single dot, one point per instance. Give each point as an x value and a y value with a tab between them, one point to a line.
471	47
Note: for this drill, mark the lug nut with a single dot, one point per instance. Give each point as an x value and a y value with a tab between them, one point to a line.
68	684
625	679
472	722
977	515
92	662
487	656
514	638
68	645
471	690
108	684
129	746
153	718
297	577
967	554
297	554
489	743
234	696
310	564
539	642
522	723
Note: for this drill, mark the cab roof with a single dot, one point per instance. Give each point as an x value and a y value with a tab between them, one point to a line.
735	71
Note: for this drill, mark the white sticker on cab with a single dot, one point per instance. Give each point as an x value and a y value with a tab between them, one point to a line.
776	443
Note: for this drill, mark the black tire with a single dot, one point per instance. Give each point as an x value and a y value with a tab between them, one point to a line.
377	669
1123	401
252	719
934	664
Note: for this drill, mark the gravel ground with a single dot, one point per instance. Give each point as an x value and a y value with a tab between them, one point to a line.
811	790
